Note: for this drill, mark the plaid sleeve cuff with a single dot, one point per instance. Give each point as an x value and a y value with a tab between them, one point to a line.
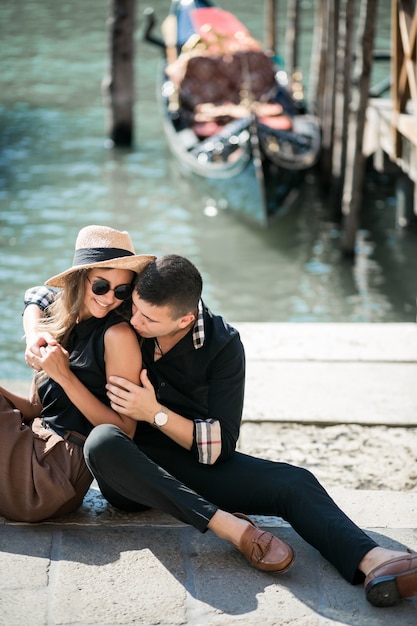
41	296
209	440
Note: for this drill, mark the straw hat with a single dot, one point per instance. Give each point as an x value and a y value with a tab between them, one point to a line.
102	246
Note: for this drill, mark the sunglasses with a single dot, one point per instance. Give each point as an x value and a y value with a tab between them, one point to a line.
100	287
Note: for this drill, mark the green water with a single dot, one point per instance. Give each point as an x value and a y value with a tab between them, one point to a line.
58	174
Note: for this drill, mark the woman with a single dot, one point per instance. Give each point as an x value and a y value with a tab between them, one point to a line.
86	340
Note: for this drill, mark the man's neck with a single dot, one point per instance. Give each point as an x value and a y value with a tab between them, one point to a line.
167	342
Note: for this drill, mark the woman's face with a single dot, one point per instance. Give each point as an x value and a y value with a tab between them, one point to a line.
113	282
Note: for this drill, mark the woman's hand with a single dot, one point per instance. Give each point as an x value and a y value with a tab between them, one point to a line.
34	343
54	360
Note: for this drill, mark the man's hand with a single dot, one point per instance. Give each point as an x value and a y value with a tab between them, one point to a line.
141	404
137	402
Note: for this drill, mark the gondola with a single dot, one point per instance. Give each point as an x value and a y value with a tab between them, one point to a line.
228	116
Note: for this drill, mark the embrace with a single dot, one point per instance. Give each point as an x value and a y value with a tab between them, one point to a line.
138	384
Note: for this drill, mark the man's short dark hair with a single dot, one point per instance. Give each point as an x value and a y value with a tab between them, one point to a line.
173	281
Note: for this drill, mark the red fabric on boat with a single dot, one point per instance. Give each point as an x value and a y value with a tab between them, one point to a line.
278	122
207	129
221	21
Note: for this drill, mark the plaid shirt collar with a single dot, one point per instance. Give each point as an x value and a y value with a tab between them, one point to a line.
198	330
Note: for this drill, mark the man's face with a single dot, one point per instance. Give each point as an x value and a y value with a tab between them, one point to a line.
153	321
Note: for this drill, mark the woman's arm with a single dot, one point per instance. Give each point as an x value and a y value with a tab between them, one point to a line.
122	354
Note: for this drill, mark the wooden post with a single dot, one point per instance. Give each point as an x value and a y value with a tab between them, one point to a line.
404	88
355	161
291	36
405	190
345	23
118	85
318	62
270	25
404	62
326	93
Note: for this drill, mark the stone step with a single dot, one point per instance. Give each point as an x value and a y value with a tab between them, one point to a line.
369	509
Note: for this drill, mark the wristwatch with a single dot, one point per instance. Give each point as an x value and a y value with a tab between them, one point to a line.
160	418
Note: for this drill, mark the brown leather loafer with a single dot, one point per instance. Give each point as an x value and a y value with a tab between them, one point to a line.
388	583
263	550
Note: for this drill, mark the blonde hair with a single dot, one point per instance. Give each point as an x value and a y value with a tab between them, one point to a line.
63	313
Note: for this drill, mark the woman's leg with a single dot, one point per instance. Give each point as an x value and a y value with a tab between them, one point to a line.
40	475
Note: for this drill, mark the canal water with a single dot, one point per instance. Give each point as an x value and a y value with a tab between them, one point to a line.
58	174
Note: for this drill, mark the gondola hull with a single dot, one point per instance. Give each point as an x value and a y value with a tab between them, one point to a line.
252	161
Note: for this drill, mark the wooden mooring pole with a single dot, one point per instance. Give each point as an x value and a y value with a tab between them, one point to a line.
340	97
339	92
355	160
324	68
404	104
270	25
292	36
119	84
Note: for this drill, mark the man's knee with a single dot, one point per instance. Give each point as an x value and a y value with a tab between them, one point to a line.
100	443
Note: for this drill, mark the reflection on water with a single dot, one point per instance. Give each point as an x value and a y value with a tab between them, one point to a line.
56	175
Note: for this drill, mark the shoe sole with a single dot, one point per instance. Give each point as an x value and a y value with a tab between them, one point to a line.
383	591
390	590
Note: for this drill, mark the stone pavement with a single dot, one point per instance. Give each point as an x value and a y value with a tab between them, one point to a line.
101	567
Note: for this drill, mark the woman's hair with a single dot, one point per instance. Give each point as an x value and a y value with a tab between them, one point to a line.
172	281
63	313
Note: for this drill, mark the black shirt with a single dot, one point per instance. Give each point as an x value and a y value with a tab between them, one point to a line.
205	383
86	348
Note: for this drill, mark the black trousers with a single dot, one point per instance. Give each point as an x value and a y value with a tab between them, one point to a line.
132	478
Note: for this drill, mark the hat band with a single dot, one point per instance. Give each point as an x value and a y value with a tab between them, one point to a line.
85	256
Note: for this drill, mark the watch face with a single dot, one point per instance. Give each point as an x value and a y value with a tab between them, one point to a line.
160	418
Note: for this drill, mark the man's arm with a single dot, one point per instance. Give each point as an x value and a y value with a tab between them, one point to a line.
41	296
211	439
37	299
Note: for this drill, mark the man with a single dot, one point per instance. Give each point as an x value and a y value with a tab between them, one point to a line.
182	459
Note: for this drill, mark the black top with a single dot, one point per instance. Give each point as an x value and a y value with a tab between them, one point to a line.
86	348
202	383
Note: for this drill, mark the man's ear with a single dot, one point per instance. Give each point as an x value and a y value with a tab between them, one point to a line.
186	320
